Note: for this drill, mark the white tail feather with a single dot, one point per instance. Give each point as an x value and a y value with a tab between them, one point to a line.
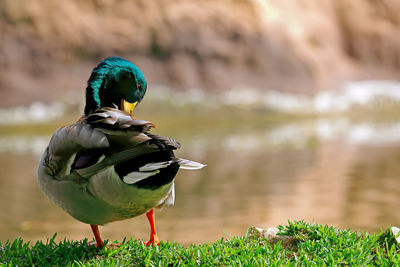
170	199
190	165
134	177
155	166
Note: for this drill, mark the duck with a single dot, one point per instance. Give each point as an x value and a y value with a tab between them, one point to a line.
108	166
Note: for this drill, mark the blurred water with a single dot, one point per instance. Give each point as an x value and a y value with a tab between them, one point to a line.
328	171
351	94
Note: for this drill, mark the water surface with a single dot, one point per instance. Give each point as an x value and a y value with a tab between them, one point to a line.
328	171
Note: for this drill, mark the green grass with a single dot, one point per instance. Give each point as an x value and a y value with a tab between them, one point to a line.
314	245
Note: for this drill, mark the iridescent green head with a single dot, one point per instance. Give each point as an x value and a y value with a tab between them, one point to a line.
115	82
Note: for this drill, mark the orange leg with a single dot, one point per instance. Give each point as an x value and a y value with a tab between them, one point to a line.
96	232
153	235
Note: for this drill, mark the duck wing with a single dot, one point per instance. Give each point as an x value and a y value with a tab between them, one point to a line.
124	138
122	129
66	143
109	137
114	119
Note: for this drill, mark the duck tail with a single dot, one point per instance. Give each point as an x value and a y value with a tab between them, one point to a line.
190	165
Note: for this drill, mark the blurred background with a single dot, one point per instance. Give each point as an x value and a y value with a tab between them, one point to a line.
293	105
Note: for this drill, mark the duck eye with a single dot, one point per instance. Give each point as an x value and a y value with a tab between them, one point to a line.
139	86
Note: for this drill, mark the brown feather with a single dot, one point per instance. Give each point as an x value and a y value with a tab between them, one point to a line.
115	119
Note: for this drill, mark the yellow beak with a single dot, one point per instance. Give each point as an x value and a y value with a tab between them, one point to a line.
128	107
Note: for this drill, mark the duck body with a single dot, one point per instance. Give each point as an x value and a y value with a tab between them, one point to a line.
104	195
107	166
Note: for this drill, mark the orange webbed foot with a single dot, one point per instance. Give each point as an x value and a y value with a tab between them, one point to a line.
95	244
99	243
153	242
113	245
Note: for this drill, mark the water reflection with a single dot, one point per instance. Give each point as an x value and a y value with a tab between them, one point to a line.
327	171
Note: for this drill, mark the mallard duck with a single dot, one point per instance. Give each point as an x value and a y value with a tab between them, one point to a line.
108	166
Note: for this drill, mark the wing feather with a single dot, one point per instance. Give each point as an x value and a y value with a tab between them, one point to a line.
134	177
115	119
119	136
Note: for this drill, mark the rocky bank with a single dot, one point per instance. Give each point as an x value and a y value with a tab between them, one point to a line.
48	47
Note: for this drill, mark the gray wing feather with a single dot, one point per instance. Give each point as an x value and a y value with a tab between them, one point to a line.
66	142
125	136
70	138
164	141
115	119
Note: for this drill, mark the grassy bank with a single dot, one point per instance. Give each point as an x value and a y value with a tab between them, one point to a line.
312	245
